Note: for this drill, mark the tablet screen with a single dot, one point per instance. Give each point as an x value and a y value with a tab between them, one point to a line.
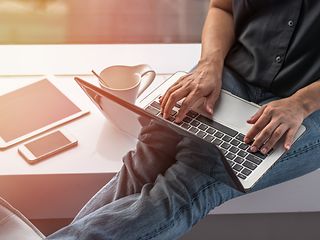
32	108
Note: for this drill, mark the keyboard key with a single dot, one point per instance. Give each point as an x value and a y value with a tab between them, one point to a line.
239	160
171	118
250	165
178	105
223	151
226	138
242	153
152	110
253	159
195	123
193	130
218	134
225	145
217	125
246	171
240	137
217	141
203	127
208	138
210	130
185	125
235	142
230	156
156	105
178	123
233	149
242	176
230	162
173	112
259	155
243	146
201	134
192	114
237	167
187	120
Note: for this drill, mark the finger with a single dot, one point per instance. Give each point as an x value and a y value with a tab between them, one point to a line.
174	97
290	137
257	115
264	136
275	137
210	102
178	84
167	95
173	86
169	91
260	124
186	105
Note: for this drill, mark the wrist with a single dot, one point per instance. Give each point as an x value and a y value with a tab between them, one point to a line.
306	103
212	66
212	62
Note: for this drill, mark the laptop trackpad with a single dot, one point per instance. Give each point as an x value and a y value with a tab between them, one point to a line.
231	111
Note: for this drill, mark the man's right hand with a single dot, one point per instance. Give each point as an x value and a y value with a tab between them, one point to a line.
204	81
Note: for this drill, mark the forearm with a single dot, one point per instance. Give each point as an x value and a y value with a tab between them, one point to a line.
309	98
218	33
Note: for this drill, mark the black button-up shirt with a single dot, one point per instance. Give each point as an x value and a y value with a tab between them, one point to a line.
277	43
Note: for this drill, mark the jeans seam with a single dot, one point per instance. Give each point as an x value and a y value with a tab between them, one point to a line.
178	213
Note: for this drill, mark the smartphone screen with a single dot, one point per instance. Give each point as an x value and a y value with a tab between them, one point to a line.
47	144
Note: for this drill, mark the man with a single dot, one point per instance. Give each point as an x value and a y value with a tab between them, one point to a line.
275	48
264	51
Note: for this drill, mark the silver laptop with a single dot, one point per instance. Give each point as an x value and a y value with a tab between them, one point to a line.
225	129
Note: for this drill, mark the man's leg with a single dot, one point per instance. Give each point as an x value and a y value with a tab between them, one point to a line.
165	209
154	154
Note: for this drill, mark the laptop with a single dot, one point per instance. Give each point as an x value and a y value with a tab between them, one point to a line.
223	131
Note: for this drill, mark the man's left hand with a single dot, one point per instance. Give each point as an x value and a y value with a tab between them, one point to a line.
280	118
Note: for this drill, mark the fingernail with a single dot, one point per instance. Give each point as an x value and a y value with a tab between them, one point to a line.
253	149
264	151
287	147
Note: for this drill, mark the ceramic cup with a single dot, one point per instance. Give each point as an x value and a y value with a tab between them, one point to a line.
127	82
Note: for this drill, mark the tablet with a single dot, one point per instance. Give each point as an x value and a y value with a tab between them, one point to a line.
32	110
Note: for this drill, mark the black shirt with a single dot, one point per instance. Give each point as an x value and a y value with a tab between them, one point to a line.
277	44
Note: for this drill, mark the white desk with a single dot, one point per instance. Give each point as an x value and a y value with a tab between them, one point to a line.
59	186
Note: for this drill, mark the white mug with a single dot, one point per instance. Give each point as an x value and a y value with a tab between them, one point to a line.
127	82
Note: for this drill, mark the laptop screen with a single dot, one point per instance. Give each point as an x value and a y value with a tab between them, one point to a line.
162	139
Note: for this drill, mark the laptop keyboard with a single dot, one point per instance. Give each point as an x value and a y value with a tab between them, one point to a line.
229	141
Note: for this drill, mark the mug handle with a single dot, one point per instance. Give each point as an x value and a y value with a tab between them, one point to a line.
147	77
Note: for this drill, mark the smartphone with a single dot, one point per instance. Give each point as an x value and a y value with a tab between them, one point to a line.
46	146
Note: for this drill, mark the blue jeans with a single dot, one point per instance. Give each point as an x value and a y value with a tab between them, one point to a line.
160	195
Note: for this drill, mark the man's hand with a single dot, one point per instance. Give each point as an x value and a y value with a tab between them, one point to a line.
281	118
204	81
